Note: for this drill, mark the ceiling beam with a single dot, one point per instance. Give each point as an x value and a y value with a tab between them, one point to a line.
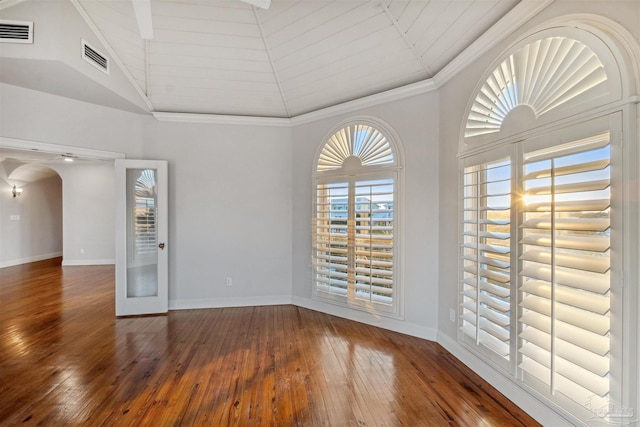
262	4
142	9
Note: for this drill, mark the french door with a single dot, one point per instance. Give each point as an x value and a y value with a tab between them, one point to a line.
141	237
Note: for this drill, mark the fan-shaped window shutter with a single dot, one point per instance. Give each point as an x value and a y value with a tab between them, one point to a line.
355	225
552	76
360	141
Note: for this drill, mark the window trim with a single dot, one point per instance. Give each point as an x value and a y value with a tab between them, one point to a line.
363	173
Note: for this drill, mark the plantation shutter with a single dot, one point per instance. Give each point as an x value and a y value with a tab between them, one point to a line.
565	275
145	212
486	264
145	225
331	237
373	232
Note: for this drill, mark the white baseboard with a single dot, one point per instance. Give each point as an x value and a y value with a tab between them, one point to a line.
20	261
72	262
395	325
363	317
542	413
188	304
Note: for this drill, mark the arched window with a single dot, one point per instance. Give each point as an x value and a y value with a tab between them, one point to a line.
355	227
541	237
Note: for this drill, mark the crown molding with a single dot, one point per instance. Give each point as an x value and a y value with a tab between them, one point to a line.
23	144
401	92
221	119
346	107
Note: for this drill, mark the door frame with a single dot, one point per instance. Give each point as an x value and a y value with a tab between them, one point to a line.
157	304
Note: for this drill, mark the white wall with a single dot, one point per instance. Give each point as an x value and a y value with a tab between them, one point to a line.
88	212
415	120
36	116
229	212
37	234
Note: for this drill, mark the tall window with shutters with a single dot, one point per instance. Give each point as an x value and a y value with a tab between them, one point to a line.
541	243
536	268
355	227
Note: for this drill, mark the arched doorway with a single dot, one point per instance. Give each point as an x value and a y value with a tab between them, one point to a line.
30	212
87	196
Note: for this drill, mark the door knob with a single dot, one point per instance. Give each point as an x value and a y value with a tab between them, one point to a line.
161	246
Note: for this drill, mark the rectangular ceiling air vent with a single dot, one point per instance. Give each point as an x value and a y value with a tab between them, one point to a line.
16	31
94	57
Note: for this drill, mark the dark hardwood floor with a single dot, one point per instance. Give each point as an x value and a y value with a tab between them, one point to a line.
66	360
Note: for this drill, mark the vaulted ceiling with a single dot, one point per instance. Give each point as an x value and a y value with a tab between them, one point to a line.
228	57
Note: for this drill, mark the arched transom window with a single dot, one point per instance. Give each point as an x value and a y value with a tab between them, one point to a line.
355	225
542	75
363	142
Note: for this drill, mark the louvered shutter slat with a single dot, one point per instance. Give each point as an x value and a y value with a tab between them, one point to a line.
569	206
594	243
500	291
568	170
593	143
588	262
593	282
574	187
574	224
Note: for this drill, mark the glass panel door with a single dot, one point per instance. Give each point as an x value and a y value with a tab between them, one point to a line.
141	252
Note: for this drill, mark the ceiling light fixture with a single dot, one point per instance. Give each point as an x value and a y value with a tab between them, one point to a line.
67	157
17	192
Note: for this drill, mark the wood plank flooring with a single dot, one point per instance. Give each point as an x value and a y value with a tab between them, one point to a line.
66	360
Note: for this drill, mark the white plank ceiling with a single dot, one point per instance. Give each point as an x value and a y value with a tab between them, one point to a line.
227	57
